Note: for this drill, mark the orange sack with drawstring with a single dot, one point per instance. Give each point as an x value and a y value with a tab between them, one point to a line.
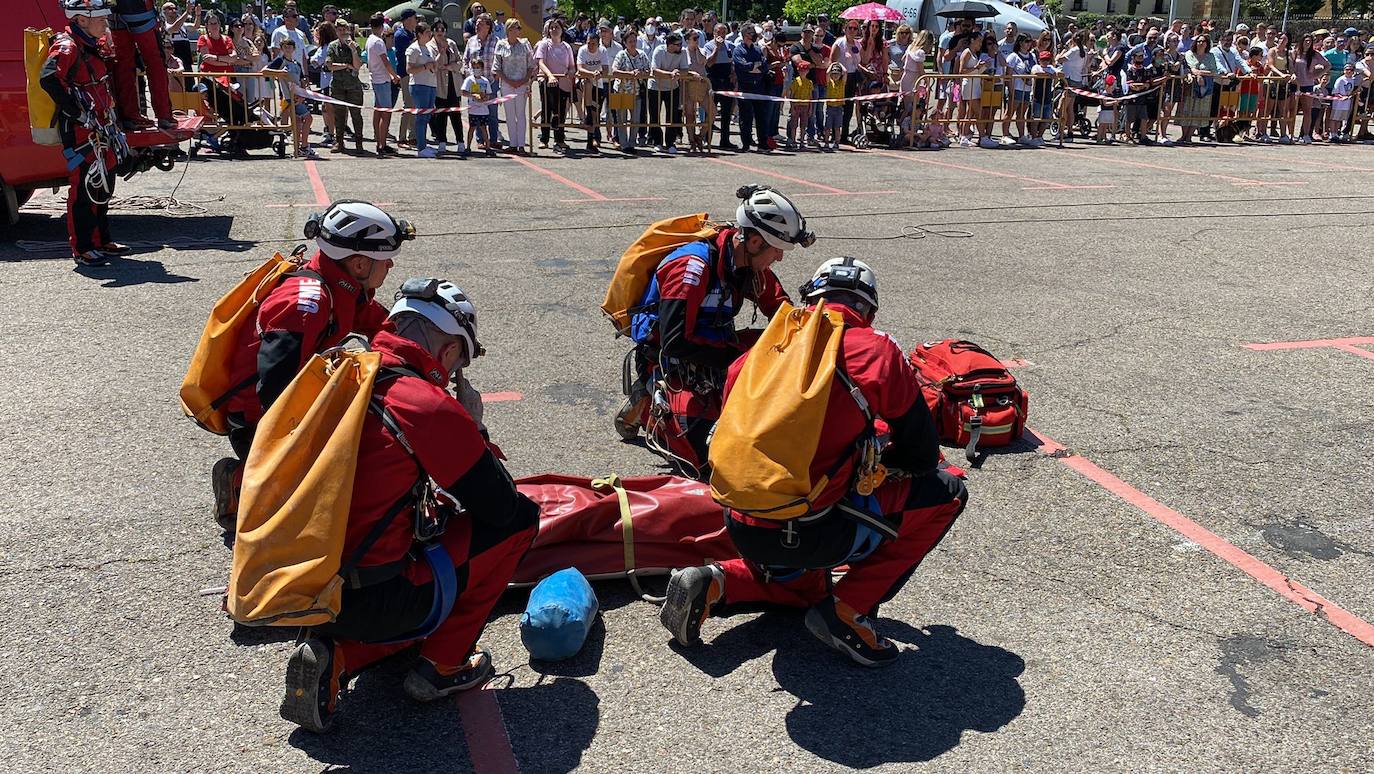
641	259
297	491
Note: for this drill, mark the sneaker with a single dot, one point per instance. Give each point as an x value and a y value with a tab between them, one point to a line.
1286	140
314	677
672	150
427	153
964	143
440	147
225	480
837	625
1304	140
463	148
336	149
1166	142
691	593
428	681
114	248
1038	142
91	258
987	142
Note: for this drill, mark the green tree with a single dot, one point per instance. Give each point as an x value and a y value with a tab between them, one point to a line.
798	11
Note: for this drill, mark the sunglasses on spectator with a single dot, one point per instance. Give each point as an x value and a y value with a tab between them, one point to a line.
853	27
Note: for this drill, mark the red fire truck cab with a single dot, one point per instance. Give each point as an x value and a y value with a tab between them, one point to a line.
26	166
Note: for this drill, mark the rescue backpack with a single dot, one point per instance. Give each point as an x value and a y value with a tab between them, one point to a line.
639	262
288	567
297	491
206	388
770	426
973	398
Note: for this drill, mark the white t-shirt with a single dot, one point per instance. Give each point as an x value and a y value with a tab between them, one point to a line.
376	59
599	60
282	33
1074	63
1018	65
473	87
419	55
663	59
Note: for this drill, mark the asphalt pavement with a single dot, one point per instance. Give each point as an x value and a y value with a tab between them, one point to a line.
1072	620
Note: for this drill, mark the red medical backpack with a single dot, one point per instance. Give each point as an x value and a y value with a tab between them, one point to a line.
973	397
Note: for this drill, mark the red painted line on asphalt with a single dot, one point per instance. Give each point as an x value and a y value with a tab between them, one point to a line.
604	199
1354	350
1276	160
1289	589
498	397
488	743
316	184
1044	184
767	173
844	193
582	189
1233	180
1310	344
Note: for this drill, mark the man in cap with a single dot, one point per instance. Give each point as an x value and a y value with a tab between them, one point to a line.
403	37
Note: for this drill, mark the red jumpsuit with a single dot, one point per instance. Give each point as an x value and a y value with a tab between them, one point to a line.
300	317
135	24
74	75
700	292
486	540
924	504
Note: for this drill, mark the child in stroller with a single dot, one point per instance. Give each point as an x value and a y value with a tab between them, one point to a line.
232	110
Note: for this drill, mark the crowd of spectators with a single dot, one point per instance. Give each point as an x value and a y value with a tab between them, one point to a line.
659	85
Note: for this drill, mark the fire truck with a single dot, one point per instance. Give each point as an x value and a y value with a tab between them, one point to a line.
25	165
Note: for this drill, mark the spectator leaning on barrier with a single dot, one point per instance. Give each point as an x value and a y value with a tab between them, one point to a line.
341	59
216	50
295	79
554	58
404	36
422	69
630	69
385	81
846	52
1142	112
697	109
666	66
482	45
514	67
448	89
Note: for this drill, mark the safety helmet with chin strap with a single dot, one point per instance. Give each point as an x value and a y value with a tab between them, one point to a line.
773	216
92	9
842	274
445	305
348	227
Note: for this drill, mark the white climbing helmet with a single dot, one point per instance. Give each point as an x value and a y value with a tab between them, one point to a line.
90	8
444	304
849	274
349	228
774	216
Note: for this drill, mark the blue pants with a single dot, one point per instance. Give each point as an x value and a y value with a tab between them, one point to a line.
774	113
753	116
424	98
817	123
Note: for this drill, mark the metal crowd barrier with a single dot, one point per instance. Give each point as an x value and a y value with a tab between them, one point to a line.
626	111
238	102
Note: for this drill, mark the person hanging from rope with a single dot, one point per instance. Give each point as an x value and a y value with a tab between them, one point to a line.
685	325
135	25
76	76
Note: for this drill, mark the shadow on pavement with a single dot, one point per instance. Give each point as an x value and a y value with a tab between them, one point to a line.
913	710
144	231
379	728
126	271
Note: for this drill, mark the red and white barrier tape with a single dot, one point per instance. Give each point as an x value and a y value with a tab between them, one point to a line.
771	98
318	97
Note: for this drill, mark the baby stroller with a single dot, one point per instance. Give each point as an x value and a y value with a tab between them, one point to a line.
231	108
880	122
1082	127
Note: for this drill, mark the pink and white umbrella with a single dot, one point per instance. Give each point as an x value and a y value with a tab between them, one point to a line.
873	11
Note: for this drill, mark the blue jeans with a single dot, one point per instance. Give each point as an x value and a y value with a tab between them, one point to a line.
817	123
774	112
493	118
424	98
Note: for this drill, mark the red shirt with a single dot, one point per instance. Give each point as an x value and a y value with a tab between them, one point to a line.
221	47
445	438
876	363
295	318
